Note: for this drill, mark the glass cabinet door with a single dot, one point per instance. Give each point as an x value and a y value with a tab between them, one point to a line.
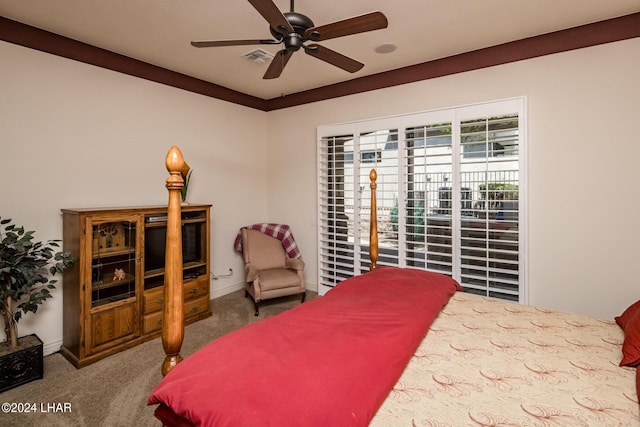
113	261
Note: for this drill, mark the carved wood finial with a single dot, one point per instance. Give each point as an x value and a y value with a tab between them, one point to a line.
173	310
373	223
174	163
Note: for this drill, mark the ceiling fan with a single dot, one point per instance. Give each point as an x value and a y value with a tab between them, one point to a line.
294	30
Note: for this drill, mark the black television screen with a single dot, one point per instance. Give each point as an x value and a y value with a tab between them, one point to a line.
155	240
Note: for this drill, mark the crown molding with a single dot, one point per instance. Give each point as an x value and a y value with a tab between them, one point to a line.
610	30
45	41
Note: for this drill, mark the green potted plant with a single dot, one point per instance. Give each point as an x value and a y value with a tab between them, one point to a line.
26	278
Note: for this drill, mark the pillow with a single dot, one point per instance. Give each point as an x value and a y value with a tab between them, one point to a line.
629	321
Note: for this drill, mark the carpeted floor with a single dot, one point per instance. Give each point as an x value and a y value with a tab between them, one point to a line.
114	391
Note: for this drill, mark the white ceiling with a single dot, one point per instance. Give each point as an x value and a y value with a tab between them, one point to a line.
159	32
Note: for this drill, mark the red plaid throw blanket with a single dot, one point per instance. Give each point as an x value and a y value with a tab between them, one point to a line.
279	231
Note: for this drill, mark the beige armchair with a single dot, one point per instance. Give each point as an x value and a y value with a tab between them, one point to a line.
269	273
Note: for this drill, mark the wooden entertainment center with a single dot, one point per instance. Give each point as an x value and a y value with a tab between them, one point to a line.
113	295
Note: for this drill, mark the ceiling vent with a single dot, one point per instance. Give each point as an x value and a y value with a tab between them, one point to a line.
259	56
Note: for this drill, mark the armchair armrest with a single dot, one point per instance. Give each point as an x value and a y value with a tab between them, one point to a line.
250	272
295	264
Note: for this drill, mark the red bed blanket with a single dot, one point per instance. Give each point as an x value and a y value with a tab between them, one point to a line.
328	362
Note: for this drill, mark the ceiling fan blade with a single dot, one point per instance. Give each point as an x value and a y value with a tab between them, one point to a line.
333	58
218	43
277	64
358	24
272	14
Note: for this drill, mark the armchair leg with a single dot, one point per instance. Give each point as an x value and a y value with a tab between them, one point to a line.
304	295
255	303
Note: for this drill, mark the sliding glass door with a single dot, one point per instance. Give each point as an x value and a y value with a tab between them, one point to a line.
450	196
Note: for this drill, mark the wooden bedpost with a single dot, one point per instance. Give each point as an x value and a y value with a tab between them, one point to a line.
173	314
373	223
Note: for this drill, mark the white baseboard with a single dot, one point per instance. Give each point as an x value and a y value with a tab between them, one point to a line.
219	292
52	347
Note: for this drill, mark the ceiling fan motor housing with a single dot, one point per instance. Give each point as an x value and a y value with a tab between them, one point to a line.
300	23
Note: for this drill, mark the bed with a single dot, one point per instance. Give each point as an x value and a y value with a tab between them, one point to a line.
398	346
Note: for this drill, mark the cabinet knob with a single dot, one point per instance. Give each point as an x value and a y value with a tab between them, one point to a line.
195	309
159	323
194	291
160	301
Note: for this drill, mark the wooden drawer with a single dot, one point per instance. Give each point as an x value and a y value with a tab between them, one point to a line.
196	306
197	288
153	322
153	300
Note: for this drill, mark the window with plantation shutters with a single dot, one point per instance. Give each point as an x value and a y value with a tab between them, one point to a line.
450	196
489	225
335	230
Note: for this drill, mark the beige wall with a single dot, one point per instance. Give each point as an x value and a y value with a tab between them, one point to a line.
73	135
583	154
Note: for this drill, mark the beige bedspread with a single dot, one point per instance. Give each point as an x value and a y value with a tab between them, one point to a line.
486	362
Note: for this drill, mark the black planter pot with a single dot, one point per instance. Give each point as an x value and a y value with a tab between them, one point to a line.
21	365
